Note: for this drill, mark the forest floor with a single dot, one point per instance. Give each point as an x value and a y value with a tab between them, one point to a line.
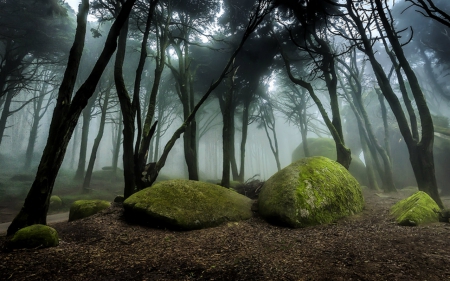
367	246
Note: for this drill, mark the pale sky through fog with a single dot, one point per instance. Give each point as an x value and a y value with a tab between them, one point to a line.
74	4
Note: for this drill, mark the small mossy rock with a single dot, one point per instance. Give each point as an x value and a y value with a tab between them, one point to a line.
186	205
415	210
119	199
37	235
311	191
55	202
84	208
233	184
326	147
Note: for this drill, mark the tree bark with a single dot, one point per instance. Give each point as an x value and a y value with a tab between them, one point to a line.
37	116
421	153
128	116
81	168
261	10
5	113
117	143
98	138
65	117
345	153
245	118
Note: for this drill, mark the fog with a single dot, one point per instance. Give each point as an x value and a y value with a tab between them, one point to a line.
280	108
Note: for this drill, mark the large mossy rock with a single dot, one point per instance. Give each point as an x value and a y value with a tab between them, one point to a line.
326	147
186	205
311	191
415	210
33	236
84	208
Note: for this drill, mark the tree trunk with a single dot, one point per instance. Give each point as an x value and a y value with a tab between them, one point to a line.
162	43
234	169
5	113
98	138
304	123
81	168
128	115
256	18
370	171
268	120
117	143
421	154
65	117
37	106
245	118
343	153
157	140
141	147
225	106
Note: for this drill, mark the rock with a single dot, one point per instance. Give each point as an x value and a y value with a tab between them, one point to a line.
34	236
119	199
85	208
415	210
311	191
186	205
444	216
327	148
55	202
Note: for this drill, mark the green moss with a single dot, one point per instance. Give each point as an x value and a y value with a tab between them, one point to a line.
326	147
311	191
33	236
185	204
415	210
233	184
85	208
92	195
55	202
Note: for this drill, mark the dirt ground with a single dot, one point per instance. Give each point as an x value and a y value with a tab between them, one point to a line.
368	246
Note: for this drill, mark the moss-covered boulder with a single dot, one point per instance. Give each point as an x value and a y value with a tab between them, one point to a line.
327	148
415	210
55	202
186	205
33	236
311	191
85	208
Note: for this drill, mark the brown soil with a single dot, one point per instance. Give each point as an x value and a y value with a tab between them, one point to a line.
369	246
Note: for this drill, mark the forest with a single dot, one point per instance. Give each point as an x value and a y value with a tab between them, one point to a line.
109	97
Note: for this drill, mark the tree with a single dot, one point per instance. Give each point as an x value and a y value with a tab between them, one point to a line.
294	103
350	70
39	108
31	33
310	33
260	10
65	117
428	8
98	138
266	119
420	147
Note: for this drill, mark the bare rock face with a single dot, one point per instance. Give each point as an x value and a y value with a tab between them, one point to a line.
186	205
314	190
